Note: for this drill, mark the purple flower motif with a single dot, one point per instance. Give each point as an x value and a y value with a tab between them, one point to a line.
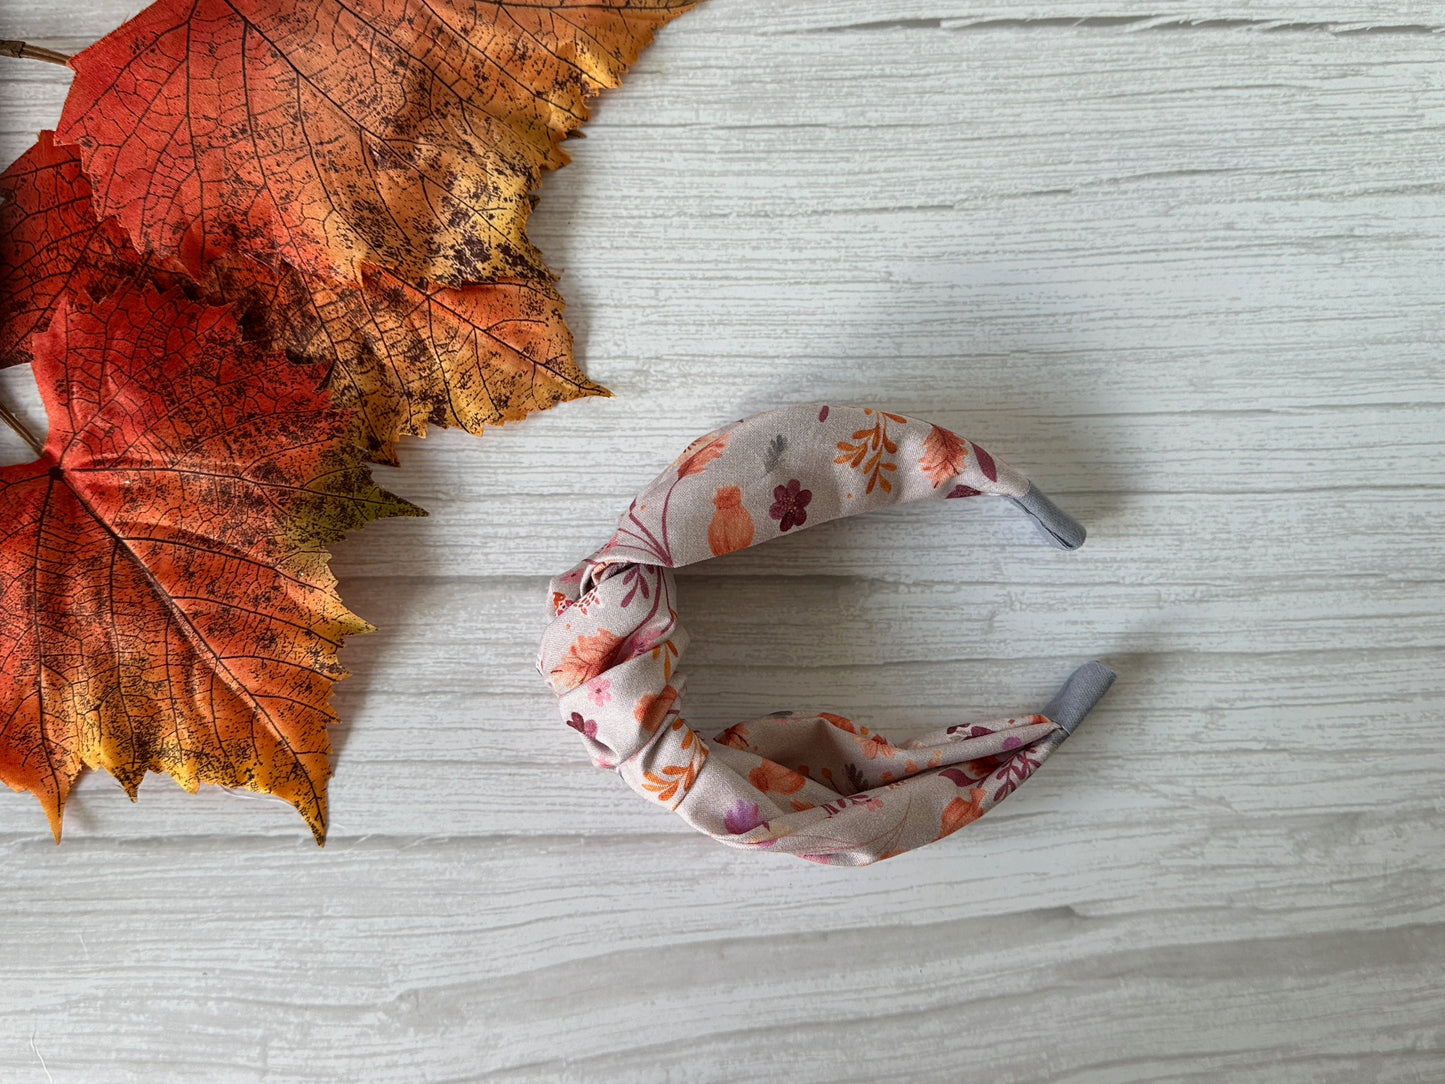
743	817
1012	743
587	727
823	414
790	505
964	491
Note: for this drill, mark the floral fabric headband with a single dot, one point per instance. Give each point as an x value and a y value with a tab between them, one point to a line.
814	785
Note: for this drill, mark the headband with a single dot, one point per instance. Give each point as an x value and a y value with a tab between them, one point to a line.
814	785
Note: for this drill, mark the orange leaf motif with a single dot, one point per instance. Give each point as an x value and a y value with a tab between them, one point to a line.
959	813
878	746
165	601
944	455
696	462
675	780
586	658
870	454
735	736
333	134
652	709
401	356
771	777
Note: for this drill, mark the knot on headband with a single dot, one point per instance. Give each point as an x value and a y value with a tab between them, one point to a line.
814	785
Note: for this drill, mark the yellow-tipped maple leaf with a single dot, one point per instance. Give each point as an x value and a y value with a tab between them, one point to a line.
165	600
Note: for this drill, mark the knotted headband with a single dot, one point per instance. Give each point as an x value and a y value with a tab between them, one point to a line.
813	785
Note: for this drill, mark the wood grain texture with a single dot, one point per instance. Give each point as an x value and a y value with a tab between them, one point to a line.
1182	266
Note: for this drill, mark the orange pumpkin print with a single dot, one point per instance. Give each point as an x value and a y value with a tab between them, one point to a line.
732	526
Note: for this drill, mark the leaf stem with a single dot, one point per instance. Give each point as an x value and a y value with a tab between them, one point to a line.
9	418
32	52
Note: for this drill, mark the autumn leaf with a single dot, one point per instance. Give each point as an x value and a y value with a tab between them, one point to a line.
959	813
588	656
944	455
675	780
653	708
405	357
398	355
340	134
51	245
771	777
165	600
877	441
697	462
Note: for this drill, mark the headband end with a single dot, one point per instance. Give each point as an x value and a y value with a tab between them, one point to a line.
1085	687
1060	528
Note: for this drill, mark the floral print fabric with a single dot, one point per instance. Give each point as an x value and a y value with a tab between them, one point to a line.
814	785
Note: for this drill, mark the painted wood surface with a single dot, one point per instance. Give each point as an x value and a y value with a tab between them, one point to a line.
1183	267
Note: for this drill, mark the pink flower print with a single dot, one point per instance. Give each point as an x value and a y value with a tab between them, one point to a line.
790	505
600	692
743	817
587	727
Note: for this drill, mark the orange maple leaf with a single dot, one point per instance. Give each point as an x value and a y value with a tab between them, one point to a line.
771	777
652	709
588	656
51	245
944	455
399	355
165	600
696	462
334	134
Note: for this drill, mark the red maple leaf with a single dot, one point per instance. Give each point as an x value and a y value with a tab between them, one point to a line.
401	356
165	600
52	245
333	134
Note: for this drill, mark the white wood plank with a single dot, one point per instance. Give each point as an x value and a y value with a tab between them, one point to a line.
440	960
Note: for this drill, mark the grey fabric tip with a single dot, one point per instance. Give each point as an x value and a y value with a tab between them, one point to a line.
1062	529
1085	688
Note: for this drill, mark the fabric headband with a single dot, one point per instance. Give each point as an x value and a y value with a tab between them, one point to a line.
813	785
